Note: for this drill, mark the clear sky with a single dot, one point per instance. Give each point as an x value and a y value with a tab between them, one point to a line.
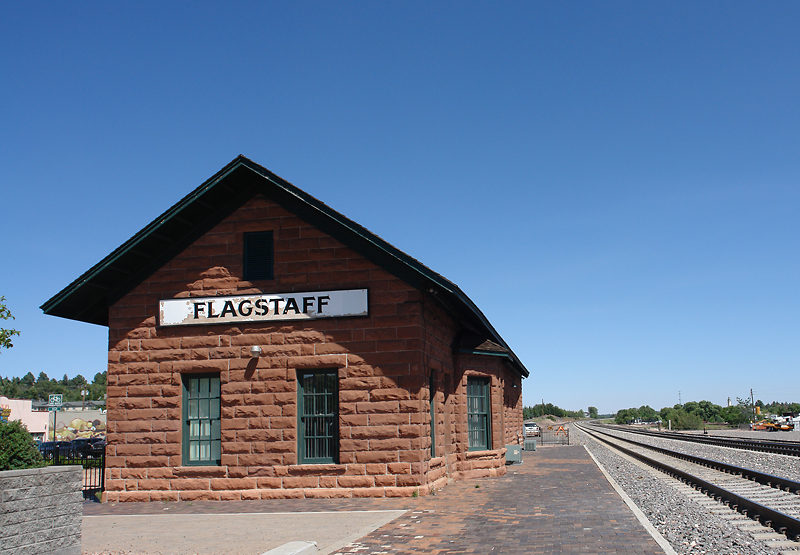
614	184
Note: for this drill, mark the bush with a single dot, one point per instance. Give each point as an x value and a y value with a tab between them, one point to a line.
682	420
17	448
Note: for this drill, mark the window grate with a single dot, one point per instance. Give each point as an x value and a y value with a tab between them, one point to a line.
258	256
201	430
318	400
479	423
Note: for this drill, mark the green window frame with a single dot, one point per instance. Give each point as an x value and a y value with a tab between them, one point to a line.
201	420
258	256
317	417
479	414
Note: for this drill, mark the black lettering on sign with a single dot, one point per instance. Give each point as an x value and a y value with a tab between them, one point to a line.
198	308
291	304
227	309
242	310
275	308
262	308
211	310
308	302
322	301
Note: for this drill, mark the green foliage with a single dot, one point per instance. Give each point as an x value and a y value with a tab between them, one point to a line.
17	448
538	411
592	412
681	419
6	334
781	407
42	387
734	415
691	415
626	416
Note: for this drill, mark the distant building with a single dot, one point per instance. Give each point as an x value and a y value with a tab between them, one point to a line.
262	345
37	423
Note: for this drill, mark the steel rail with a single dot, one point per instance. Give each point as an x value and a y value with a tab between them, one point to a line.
781	522
754	475
785	447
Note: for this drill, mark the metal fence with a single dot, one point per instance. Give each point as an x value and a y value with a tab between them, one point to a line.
554	435
93	462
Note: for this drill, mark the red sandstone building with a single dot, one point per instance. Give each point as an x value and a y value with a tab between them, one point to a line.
262	345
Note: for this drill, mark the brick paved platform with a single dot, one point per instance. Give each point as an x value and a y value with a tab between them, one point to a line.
557	501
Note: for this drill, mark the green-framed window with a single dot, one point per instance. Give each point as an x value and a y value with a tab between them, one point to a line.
201	423
479	414
318	417
258	256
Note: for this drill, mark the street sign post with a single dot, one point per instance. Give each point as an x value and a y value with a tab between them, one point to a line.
54	403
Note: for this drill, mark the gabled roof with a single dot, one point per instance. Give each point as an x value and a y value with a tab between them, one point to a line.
88	298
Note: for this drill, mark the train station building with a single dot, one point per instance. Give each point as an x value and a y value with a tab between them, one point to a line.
262	345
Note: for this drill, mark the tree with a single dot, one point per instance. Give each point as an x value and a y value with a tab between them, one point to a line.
17	448
647	413
680	419
626	416
592	412
28	380
734	415
6	334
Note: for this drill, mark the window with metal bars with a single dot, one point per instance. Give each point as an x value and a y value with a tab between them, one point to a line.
479	414
258	256
201	423
318	417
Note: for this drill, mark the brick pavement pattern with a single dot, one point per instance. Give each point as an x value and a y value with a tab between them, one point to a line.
557	501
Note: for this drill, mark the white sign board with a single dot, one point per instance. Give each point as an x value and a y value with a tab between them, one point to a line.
262	308
55	400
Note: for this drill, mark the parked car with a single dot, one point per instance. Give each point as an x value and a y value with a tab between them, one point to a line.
88	447
531	429
98	446
48	449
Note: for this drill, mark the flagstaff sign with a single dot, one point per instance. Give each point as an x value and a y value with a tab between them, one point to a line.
262	308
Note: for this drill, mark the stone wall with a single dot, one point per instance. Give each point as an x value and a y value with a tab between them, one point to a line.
41	510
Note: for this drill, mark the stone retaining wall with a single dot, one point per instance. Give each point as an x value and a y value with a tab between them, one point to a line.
41	511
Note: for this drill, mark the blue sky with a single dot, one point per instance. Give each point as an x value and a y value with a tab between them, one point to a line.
614	184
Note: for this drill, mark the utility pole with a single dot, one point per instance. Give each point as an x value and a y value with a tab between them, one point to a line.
753	404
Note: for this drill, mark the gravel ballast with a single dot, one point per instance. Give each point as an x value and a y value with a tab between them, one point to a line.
690	528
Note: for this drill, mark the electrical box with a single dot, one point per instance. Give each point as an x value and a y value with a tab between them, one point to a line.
530	444
513	454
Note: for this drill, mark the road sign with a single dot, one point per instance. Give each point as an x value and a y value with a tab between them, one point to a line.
51	409
55	400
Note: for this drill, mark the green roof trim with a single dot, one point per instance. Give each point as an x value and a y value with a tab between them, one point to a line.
88	298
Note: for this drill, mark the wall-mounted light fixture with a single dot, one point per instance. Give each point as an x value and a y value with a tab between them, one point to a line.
255	351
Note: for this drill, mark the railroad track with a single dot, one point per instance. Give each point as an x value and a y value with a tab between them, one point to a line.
771	500
778	447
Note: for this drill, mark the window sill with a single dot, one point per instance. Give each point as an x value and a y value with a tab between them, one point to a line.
486	453
316	468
